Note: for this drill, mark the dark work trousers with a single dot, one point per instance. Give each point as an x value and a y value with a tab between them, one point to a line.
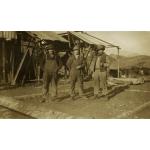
49	80
76	77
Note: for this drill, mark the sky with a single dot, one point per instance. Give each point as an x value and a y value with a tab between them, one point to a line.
131	42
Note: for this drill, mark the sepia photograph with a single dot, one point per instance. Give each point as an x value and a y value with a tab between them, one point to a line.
74	74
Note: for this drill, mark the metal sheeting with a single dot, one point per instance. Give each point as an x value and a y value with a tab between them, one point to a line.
47	35
88	39
8	35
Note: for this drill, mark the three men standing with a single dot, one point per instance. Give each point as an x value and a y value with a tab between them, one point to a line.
100	68
76	63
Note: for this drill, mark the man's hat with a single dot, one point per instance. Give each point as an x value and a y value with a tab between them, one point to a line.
50	47
43	42
100	47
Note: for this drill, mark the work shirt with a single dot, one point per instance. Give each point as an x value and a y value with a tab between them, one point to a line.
97	66
100	63
74	64
52	64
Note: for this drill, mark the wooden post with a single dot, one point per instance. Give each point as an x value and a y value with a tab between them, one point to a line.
26	71
3	61
118	62
38	74
19	68
36	64
69	40
13	62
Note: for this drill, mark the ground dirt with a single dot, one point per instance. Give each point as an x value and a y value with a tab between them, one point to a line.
127	100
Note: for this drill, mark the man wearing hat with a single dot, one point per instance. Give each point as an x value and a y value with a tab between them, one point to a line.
76	65
50	74
100	68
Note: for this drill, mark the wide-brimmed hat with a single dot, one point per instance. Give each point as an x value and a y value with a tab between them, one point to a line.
50	47
100	47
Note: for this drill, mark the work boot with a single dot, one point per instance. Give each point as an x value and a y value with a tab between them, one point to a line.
53	98
73	98
43	100
105	97
100	95
84	97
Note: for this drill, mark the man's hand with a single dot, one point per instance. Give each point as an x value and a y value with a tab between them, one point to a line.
79	66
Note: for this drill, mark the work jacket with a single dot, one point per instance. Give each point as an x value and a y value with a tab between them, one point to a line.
75	65
103	63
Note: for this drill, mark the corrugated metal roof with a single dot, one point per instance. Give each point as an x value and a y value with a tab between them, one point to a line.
88	39
8	35
47	35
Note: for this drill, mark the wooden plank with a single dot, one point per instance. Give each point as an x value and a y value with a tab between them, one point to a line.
26	71
20	65
13	63
3	61
118	62
19	68
69	39
34	109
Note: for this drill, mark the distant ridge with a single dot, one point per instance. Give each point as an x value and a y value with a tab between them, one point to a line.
140	61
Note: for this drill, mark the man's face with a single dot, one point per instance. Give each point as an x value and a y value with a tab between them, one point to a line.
100	52
51	53
76	53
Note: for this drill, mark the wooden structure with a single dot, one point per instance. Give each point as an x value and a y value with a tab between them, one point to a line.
34	50
87	42
20	53
35	110
7	42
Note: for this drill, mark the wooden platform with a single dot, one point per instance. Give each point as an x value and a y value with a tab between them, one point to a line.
34	110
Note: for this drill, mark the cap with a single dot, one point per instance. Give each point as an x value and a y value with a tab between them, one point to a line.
100	47
43	42
50	47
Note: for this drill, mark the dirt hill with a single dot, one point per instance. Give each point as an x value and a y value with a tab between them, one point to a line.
140	61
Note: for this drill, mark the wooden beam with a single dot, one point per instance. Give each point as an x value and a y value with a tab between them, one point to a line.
26	70
69	39
3	61
118	62
110	44
13	62
19	68
20	65
35	110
